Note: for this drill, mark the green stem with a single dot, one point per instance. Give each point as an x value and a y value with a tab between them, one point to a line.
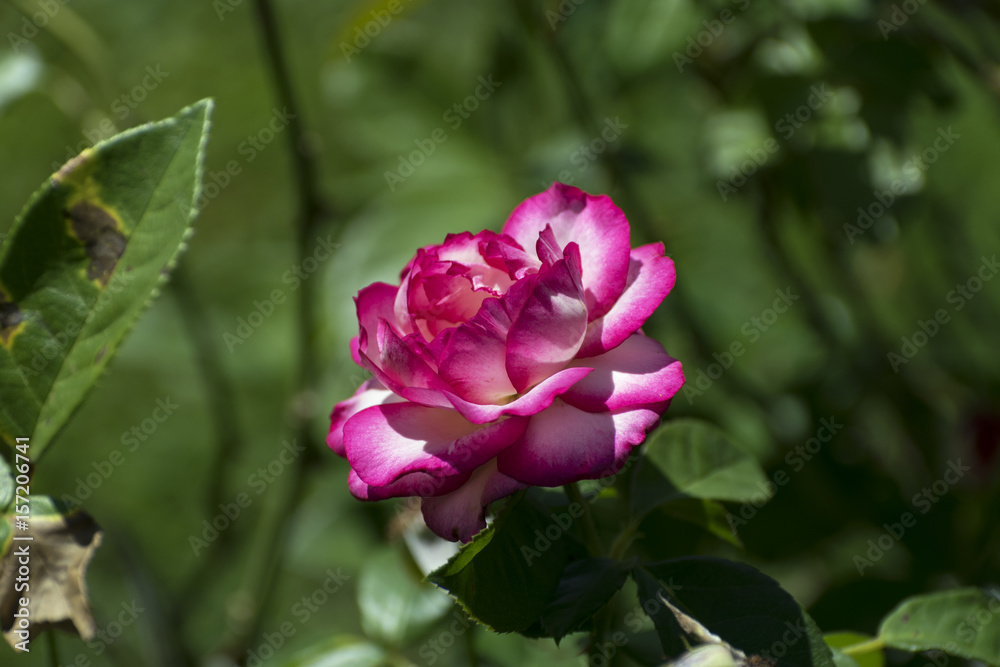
219	391
267	562
624	540
876	644
604	617
50	639
590	536
472	659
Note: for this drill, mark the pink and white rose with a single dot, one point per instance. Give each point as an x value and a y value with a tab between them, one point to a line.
508	360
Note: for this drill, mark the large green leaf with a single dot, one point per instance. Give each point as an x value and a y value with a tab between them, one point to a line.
509	572
396	607
688	457
84	259
740	605
964	622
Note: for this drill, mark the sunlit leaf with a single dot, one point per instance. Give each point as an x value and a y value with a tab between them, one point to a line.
340	652
395	605
842	640
964	622
687	457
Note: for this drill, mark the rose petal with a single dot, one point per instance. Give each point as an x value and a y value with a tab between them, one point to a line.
385	442
374	303
637	373
505	253
371	392
402	366
547	248
434	398
356	350
548	331
594	222
461	514
563	444
650	278
537	399
473	362
413	484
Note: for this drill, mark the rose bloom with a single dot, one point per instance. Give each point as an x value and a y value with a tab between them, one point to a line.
507	360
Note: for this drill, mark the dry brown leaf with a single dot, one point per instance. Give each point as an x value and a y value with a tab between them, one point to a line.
56	594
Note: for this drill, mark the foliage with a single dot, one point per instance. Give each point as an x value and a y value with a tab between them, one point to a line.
817	169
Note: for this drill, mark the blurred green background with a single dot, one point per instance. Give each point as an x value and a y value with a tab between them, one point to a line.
744	135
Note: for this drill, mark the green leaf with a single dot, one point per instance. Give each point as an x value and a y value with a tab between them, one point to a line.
841	659
340	652
585	587
84	259
738	604
396	607
707	514
964	622
841	640
508	574
688	457
6	485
